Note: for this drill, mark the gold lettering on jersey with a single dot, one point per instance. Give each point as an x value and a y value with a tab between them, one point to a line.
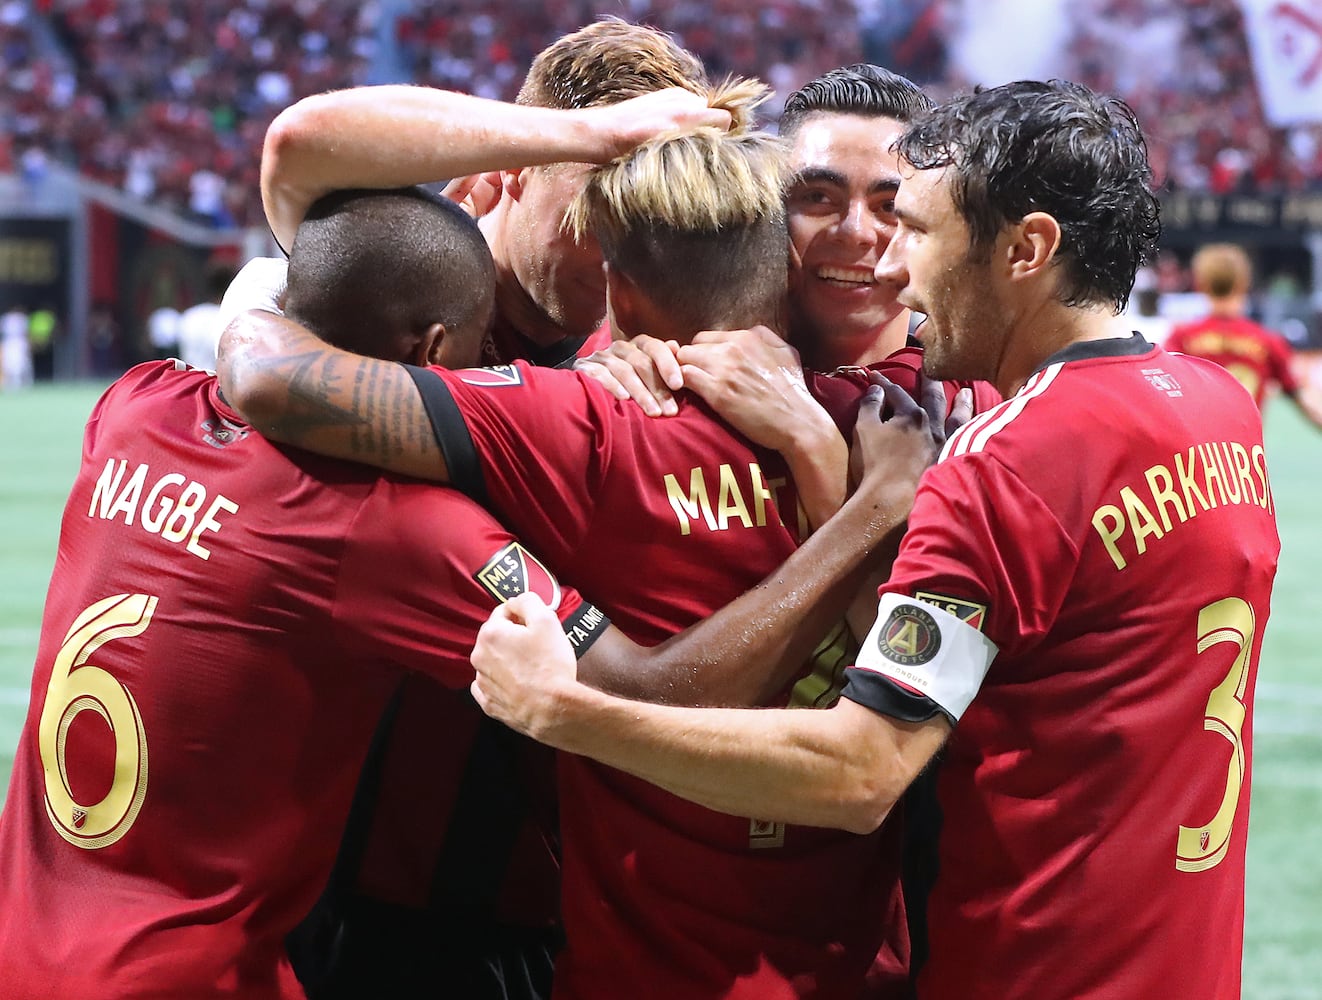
168	511
744	498
1231	473
1210	343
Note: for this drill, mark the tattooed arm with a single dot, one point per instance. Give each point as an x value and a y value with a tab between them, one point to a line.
297	389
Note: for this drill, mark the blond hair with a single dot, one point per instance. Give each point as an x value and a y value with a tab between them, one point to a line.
699	181
1222	271
608	62
696	220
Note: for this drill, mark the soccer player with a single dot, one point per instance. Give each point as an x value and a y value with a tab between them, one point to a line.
588	96
840	127
1256	356
661	522
225	623
1076	611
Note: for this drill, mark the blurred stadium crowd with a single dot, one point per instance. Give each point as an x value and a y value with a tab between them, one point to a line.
170	101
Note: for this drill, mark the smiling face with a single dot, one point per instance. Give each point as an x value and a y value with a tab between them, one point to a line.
840	213
939	274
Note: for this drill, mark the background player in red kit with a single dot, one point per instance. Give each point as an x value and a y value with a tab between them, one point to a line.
1256	356
1080	596
225	623
666	519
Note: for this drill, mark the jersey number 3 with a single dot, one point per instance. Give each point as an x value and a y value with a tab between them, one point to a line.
78	686
1231	620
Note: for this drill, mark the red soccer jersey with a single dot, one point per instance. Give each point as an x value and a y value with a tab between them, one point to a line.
664	522
225	622
1110	529
1255	355
838	391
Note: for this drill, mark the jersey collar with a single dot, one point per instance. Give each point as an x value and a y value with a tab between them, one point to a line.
1090	350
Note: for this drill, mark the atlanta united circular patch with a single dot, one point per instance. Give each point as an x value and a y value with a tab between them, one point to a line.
910	636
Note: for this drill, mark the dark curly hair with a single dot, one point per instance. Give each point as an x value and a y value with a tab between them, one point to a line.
1054	147
861	89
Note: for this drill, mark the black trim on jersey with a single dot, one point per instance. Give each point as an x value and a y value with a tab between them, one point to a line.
871	690
485	823
561	354
920	860
315	945
1108	347
451	434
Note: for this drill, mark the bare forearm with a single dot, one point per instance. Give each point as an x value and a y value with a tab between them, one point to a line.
748	651
395	135
841	767
295	388
819	464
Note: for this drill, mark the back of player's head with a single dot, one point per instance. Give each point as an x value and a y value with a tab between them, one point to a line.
862	89
1222	271
1053	147
608	62
696	221
371	268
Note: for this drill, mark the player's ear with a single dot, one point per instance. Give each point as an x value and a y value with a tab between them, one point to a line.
430	349
623	304
513	181
1032	244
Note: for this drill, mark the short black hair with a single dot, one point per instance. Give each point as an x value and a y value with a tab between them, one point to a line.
1054	147
370	268
861	89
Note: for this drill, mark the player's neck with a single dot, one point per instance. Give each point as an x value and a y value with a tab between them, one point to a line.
826	351
1233	307
1048	330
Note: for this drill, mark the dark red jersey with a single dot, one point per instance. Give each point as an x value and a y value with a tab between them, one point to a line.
1256	356
664	522
225	623
1110	529
838	391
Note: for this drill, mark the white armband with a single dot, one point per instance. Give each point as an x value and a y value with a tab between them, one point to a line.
929	650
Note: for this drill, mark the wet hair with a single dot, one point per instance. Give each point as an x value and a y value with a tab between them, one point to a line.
861	89
1222	270
696	220
370	269
608	62
1054	147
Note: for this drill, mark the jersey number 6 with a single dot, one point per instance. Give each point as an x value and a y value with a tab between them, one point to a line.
78	686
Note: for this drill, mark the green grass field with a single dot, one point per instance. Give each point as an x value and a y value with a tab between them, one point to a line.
41	433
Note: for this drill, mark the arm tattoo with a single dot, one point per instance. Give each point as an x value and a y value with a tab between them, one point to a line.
353	407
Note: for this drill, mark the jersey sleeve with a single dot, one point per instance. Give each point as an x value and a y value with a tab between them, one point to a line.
1279	357
423	568
982	570
527	443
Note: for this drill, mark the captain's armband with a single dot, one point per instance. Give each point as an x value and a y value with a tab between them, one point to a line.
927	652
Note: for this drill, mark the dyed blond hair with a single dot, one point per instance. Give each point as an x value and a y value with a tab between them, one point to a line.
696	220
1222	271
609	62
